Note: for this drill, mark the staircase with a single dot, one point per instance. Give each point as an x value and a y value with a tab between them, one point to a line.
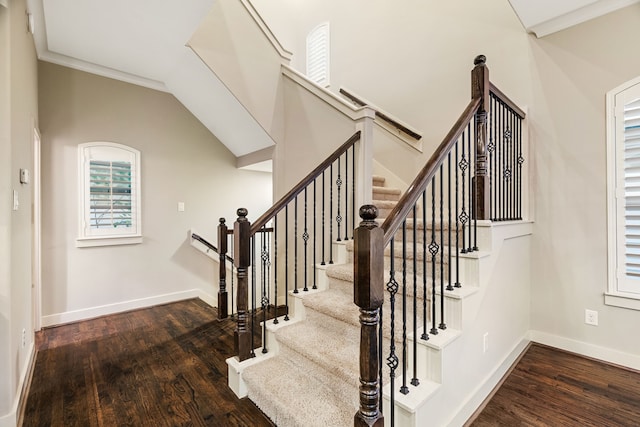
310	377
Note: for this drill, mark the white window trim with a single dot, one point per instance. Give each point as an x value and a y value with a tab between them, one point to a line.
614	296
87	240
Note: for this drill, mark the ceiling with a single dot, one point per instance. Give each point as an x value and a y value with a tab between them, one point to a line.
144	42
544	17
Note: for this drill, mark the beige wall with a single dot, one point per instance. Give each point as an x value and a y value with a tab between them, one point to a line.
572	72
18	115
413	59
181	161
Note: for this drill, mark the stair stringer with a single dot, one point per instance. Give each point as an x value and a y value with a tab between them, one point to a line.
499	307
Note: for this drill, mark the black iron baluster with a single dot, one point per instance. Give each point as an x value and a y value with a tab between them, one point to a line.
449	286
346	195
275	267
324	237
433	250
295	245
414	380
286	261
513	166
463	215
338	185
253	294
457	284
520	163
331	214
353	197
503	197
404	389
470	181
392	360
474	247
305	238
315	266
233	306
442	324
425	315
264	300
492	157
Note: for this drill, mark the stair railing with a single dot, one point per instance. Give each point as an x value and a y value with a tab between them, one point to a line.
290	240
469	177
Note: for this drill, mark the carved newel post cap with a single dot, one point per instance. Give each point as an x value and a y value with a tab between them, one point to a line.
222	220
480	60
242	212
368	212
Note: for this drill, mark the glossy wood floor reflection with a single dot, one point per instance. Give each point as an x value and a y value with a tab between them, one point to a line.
550	387
162	366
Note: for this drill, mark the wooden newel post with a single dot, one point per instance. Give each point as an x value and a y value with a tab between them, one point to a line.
242	261
480	88
223	310
368	294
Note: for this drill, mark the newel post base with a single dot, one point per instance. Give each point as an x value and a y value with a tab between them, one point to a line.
242	261
480	87
368	294
223	310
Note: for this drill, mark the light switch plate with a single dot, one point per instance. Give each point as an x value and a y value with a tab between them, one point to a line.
16	203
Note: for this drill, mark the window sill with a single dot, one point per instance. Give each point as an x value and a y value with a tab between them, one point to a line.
623	300
88	242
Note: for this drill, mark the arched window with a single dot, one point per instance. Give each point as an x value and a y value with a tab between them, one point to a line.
109	187
623	170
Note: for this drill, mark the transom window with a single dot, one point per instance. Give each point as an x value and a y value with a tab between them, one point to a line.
110	209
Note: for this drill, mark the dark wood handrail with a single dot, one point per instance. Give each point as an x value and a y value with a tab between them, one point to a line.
257	225
382	116
413	193
508	102
207	244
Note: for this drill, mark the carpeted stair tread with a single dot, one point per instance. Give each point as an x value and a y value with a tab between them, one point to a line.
378	180
333	350
339	305
292	397
341	279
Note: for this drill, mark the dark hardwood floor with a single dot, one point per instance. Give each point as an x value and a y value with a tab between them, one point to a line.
165	366
162	366
550	387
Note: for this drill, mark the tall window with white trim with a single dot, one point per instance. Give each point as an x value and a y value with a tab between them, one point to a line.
110	209
318	55
623	155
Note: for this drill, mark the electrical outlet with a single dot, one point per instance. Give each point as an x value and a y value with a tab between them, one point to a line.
24	338
485	342
591	317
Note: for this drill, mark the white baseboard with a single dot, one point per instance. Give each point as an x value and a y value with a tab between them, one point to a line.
11	419
483	390
586	349
103	310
